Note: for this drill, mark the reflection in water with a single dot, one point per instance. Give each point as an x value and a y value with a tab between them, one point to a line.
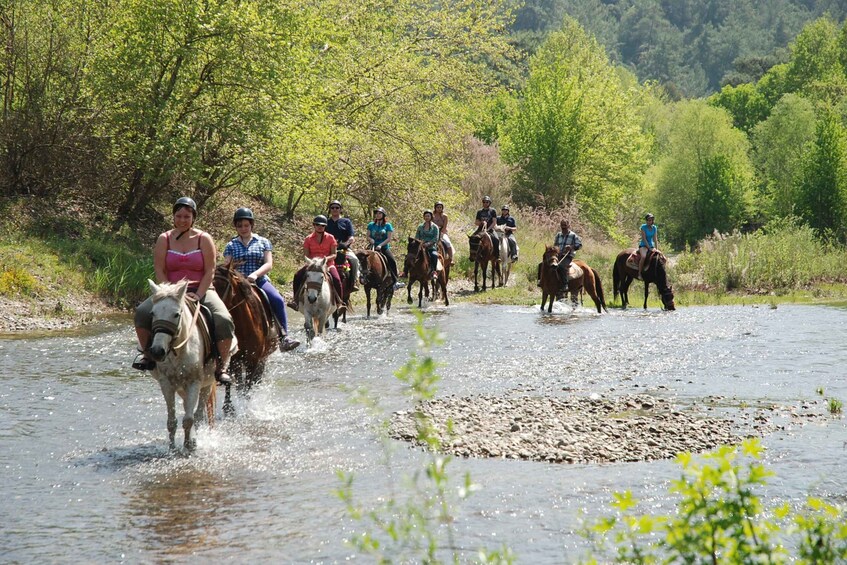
85	445
176	512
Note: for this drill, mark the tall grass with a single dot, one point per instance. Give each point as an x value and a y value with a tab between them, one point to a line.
782	257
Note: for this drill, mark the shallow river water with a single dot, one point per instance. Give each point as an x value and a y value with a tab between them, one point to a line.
88	477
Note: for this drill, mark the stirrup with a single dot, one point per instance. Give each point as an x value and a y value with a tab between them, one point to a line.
287	344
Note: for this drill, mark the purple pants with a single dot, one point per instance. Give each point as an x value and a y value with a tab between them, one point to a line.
277	303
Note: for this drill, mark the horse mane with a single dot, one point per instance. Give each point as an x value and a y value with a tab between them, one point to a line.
169	290
317	264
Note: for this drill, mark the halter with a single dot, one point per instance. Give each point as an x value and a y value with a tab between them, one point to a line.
228	289
172	329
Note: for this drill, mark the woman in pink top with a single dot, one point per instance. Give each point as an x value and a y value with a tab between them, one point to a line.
187	253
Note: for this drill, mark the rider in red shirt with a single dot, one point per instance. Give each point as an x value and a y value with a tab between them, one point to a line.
316	245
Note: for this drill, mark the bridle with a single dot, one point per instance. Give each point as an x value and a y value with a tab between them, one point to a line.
172	329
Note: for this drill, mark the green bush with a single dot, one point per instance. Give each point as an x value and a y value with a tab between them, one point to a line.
720	519
15	281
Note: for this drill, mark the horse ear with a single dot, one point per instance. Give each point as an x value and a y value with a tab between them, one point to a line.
183	289
154	288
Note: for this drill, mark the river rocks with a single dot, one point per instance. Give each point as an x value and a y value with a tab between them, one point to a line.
569	429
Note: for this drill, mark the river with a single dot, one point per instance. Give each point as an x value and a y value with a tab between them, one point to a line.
88	476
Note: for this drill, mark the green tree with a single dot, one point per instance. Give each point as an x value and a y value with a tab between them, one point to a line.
822	191
745	104
576	137
779	144
191	92
704	178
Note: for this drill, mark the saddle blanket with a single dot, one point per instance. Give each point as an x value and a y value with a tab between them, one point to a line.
574	272
632	261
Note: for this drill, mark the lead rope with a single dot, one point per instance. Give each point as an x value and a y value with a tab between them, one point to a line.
193	323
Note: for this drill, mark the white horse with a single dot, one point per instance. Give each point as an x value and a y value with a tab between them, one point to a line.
503	253
181	361
315	299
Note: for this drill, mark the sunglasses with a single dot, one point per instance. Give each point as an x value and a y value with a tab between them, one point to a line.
335	207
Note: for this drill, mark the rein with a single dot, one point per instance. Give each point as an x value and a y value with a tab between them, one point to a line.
193	323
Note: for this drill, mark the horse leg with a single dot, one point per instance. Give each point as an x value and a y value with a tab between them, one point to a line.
421	293
646	292
409	290
475	275
170	401
190	400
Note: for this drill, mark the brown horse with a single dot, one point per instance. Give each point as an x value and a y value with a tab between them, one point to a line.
580	277
256	329
654	272
417	267
375	273
483	253
343	268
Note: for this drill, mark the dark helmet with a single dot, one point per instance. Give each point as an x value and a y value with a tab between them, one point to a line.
649	216
425	212
187	202
437	204
320	220
335	203
486	199
243	214
504	208
380	209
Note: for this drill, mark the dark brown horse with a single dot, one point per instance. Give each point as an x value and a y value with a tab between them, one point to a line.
584	278
256	329
343	268
375	273
417	267
483	253
654	272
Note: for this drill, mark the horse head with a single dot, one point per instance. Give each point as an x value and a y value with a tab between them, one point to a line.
169	313
550	258
316	276
665	290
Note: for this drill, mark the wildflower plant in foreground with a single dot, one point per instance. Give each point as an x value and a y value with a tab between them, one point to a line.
720	519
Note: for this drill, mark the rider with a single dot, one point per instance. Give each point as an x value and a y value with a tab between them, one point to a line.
187	253
342	229
649	241
320	244
253	254
427	234
568	243
486	219
439	218
504	219
379	236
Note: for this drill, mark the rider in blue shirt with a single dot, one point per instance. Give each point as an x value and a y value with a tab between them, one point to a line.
342	229
254	252
648	242
379	236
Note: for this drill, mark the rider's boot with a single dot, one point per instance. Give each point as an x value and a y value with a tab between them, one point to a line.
143	363
287	344
222	362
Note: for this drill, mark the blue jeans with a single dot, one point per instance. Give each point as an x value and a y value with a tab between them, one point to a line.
277	303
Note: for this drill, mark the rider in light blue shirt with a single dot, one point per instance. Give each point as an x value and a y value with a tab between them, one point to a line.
649	241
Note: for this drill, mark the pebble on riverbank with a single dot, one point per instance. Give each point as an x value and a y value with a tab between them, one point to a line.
570	429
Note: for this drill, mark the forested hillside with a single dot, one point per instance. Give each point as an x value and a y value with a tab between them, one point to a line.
116	108
693	47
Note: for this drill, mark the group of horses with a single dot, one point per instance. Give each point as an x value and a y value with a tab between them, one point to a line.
182	347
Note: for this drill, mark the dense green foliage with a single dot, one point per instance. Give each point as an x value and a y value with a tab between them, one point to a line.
692	47
720	519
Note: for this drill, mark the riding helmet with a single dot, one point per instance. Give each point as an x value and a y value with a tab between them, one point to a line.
649	216
437	204
380	209
185	201
335	203
243	214
425	212
504	208
320	220
486	199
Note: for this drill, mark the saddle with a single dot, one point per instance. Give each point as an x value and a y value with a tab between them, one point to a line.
269	322
632	260
574	271
206	327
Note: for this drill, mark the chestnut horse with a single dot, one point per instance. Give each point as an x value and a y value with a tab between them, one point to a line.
256	328
375	274
483	253
585	278
417	267
343	267
654	272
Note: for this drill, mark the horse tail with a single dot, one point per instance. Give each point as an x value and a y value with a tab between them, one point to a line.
616	281
599	288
